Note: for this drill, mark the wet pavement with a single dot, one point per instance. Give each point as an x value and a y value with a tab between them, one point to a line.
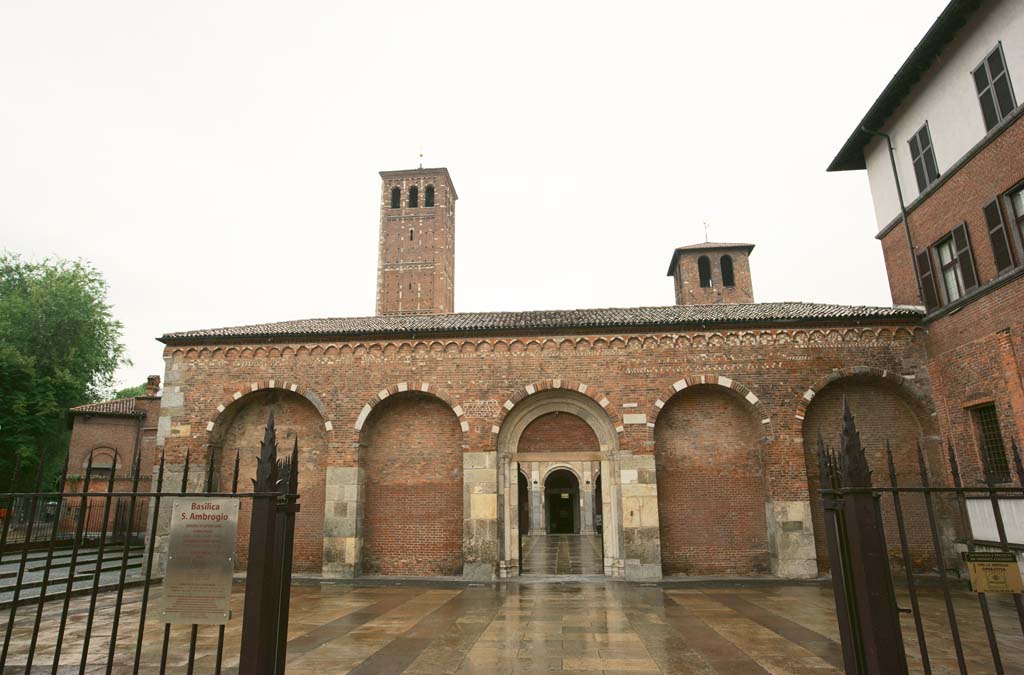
553	554
581	627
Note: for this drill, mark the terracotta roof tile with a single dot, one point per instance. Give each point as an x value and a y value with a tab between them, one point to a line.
120	406
673	316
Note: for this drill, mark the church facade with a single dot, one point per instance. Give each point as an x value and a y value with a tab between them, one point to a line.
681	438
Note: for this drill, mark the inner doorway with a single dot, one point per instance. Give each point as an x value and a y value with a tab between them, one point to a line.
562	498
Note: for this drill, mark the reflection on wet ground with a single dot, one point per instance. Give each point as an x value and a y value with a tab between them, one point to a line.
585	627
561	554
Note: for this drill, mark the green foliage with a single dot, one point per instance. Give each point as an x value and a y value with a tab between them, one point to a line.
131	392
59	347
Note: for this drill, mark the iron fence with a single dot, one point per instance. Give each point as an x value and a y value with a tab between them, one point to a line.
95	544
863	566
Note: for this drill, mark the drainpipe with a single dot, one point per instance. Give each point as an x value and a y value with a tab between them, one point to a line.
903	207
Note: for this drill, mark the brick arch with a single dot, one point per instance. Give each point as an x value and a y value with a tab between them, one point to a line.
558	383
903	383
252	387
750	397
421	387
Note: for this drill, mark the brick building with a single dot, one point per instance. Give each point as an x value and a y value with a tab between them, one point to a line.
431	441
105	439
949	200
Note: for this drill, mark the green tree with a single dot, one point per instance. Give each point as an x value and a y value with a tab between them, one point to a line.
59	347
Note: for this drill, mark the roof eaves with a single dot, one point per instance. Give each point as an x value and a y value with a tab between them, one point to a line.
851	156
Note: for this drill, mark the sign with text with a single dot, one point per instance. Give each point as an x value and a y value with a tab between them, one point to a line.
200	560
994	572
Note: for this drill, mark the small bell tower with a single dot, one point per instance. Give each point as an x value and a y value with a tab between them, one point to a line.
416	264
712	273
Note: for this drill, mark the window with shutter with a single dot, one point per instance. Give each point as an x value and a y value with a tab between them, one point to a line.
1017	213
998	236
924	271
926	170
995	91
964	257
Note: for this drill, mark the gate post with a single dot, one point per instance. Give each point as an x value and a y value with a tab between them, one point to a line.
259	620
868	578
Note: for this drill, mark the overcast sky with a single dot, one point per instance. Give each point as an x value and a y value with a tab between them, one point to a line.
218	161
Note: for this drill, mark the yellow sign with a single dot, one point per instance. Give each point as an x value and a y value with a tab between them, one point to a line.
994	572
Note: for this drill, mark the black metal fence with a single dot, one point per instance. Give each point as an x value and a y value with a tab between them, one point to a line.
862	562
94	545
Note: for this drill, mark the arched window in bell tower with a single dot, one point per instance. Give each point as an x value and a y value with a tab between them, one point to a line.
396	197
704	271
428	197
414	197
728	278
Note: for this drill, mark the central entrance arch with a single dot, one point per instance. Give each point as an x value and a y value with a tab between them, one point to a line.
546	435
562	498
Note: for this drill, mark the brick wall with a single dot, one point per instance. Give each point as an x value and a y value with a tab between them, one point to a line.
711	493
558	432
480	373
413	513
974	352
294	417
883	412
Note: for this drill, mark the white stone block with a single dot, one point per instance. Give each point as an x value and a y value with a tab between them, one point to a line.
634	418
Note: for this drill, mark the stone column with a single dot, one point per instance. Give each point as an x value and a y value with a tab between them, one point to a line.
480	515
791	539
611	506
343	511
537	525
641	539
586	508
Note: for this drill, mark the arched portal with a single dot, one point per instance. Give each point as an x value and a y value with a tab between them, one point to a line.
562	502
549	431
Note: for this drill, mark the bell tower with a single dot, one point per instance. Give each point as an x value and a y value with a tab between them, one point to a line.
712	273
416	264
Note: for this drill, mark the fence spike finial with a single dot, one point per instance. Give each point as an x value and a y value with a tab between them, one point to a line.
853	461
892	464
954	466
266	463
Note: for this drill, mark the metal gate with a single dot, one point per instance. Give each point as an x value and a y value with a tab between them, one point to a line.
864	580
64	569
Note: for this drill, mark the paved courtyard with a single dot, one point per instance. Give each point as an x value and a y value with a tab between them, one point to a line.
583	627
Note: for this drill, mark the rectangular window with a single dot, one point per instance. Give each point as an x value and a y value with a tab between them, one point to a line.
1016	199
949	270
998	236
995	91
952	267
923	155
990	438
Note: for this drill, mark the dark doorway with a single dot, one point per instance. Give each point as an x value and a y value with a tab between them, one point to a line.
524	505
562	496
598	507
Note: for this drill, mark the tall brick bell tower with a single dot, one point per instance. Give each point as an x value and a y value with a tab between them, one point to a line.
416	268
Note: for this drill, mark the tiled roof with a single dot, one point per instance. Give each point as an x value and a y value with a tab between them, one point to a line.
120	406
633	317
713	244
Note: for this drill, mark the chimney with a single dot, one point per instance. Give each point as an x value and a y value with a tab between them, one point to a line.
152	385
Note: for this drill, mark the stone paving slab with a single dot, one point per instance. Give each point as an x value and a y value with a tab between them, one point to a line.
576	627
